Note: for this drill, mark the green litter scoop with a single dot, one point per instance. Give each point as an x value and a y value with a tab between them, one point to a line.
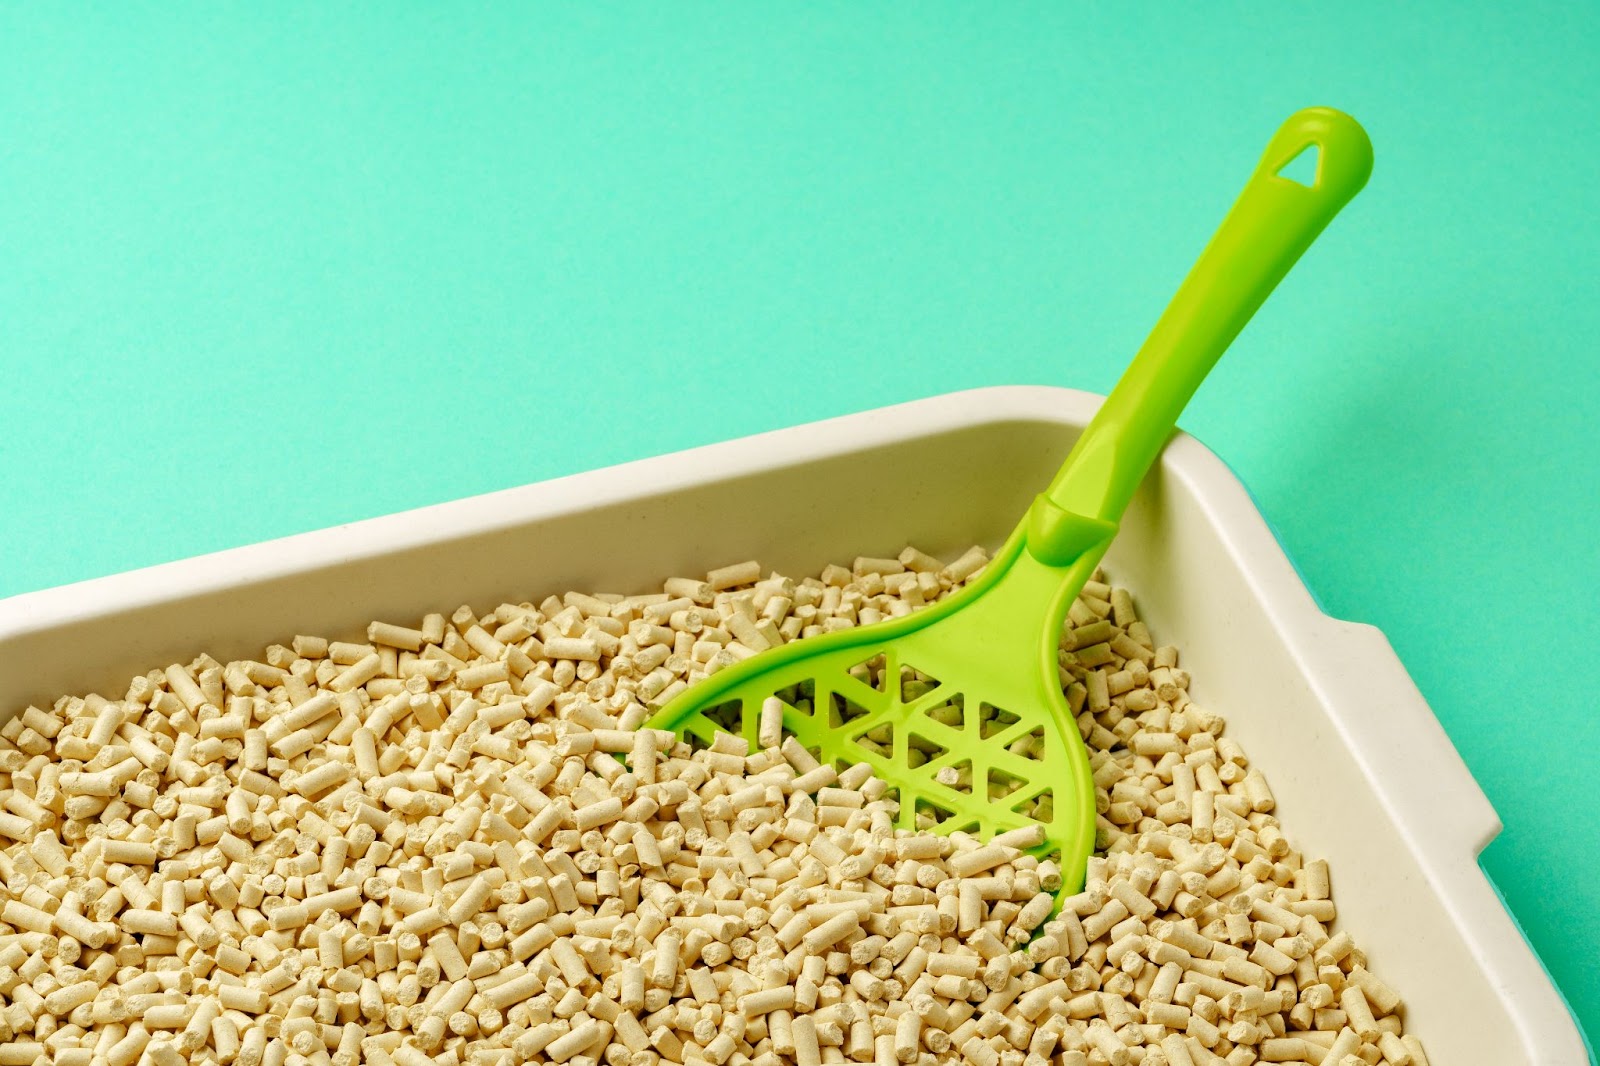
995	642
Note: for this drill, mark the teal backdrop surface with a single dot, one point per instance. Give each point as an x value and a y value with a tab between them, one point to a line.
267	269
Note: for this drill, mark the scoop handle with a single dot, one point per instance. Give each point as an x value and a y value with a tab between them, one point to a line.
1273	222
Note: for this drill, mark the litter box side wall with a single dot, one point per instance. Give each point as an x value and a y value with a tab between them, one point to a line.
1363	773
795	499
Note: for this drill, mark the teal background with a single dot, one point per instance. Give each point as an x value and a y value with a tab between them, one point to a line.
266	272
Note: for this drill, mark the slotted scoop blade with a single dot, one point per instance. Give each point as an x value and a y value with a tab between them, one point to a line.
995	642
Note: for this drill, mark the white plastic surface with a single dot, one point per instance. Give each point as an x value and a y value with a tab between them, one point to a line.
1362	771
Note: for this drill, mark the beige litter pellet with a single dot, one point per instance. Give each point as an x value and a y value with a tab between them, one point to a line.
452	844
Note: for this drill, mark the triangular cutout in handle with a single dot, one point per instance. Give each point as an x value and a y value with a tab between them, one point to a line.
1305	168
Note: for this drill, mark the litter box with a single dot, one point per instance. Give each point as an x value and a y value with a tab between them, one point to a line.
1362	771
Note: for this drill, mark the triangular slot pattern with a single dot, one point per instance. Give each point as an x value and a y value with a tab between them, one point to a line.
1304	168
1001	785
914	683
801	697
872	672
928	813
698	731
1021	797
878	739
1039	806
724	717
855	691
1029	745
1001	733
950	713
994	720
845	710
812	705
921	750
957	776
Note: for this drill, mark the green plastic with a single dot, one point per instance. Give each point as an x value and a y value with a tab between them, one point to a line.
996	641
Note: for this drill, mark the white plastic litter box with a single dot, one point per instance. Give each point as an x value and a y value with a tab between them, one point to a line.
1362	771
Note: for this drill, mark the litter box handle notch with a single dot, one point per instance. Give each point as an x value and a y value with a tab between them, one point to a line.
1274	221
